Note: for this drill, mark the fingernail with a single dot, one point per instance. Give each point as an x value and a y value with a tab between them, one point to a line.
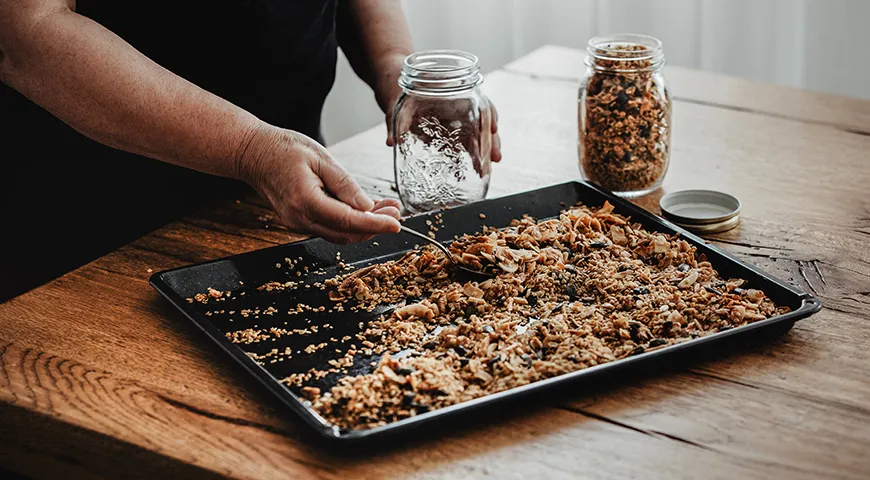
363	202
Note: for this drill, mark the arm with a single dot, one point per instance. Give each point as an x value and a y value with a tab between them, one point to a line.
374	36
101	86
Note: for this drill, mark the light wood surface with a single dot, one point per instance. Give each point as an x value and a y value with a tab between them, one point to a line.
100	377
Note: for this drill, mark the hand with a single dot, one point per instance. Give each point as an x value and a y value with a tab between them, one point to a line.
310	191
490	115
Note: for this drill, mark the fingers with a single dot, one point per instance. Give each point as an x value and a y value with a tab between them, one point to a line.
495	154
390	211
387	202
341	218
341	184
389	121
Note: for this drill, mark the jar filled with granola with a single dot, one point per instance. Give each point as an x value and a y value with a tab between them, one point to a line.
441	126
624	114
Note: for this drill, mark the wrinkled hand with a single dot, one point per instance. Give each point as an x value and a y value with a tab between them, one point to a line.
490	115
310	191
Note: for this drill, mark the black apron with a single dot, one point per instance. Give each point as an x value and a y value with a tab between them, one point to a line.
67	200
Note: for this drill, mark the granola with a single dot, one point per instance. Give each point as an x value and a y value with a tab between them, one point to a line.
624	119
587	288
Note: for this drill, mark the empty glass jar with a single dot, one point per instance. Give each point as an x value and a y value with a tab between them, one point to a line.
625	115
441	126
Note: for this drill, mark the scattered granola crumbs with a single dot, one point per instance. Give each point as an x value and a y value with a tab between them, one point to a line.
247	336
482	216
313	348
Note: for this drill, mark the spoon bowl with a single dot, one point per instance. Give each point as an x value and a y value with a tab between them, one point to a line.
458	272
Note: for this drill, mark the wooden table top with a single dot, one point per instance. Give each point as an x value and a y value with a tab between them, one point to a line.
101	377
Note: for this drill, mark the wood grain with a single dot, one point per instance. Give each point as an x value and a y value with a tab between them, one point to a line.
100	377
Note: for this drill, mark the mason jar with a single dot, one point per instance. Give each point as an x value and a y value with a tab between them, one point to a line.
441	128
624	109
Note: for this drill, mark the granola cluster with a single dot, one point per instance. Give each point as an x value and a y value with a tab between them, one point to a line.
587	288
625	116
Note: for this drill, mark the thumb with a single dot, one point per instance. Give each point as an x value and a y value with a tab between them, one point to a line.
389	120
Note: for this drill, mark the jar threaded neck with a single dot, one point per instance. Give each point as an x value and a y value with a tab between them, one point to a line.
439	72
625	52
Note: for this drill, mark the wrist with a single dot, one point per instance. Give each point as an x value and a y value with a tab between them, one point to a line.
258	139
388	68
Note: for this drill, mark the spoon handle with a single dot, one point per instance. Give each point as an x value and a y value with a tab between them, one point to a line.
432	241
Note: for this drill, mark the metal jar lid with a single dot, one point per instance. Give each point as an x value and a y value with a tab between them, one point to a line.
701	211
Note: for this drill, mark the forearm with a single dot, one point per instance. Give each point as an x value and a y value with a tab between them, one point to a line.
101	86
374	36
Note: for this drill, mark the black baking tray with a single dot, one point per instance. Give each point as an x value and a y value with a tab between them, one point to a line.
245	272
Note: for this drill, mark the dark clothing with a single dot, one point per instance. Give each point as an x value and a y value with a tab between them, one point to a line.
67	200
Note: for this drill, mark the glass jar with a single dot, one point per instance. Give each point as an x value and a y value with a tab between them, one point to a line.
441	127
624	108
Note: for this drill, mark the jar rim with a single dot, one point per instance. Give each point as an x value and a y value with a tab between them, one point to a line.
440	71
610	53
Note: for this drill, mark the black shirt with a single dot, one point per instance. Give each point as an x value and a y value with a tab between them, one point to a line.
67	200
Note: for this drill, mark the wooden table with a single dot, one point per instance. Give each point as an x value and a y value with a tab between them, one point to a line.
99	376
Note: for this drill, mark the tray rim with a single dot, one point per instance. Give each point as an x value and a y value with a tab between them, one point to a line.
809	305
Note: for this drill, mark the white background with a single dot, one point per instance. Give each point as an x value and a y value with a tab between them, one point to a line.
815	44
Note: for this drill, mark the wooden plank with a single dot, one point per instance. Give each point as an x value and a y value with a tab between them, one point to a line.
586	435
696	86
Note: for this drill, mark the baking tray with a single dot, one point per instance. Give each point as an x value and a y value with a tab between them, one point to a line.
241	274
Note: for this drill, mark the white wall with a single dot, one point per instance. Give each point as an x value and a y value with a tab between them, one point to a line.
816	44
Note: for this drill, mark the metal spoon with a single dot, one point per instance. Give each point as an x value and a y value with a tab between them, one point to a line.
467	274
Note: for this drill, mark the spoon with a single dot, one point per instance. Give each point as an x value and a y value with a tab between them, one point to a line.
467	274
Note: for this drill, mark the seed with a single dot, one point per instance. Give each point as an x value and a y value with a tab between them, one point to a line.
460	350
571	290
657	342
588	299
404	371
738	291
527	359
492	361
599	244
712	290
640	291
488	329
684	267
621	100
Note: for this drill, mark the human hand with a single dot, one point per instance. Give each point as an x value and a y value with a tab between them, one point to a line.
310	191
489	115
